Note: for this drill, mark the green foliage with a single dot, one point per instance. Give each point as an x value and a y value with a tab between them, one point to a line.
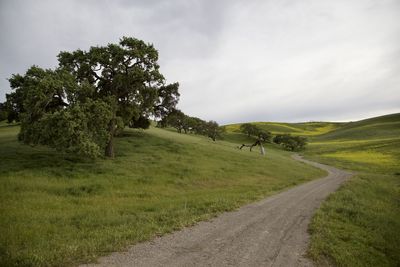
79	129
249	129
359	224
141	122
264	135
3	112
168	97
123	79
252	130
213	130
182	122
63	210
289	142
303	129
54	116
176	119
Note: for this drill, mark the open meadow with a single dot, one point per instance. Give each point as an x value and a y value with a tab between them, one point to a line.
59	209
359	225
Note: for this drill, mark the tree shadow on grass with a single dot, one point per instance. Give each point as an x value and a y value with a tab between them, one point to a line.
16	157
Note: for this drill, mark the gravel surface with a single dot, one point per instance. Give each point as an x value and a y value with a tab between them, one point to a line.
271	232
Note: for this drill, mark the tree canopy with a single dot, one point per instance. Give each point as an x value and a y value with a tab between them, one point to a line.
252	130
84	103
289	142
187	124
3	112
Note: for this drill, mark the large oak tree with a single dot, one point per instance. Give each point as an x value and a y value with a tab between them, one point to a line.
83	104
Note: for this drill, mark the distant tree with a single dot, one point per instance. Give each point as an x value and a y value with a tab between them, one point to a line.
264	136
289	142
3	112
301	142
280	138
176	119
182	122
213	130
141	122
196	125
112	86
249	129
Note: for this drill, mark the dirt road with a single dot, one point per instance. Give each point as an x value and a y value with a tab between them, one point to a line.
272	232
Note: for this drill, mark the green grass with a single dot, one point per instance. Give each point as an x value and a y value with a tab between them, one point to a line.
359	225
375	128
61	210
303	128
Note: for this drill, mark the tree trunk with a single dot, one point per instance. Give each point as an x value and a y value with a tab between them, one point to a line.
109	151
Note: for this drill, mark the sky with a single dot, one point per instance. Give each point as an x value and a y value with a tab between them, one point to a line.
236	61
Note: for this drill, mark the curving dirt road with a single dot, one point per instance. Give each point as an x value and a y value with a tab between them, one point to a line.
272	232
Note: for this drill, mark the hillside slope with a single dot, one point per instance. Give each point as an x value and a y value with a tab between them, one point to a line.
374	128
371	142
359	225
60	210
303	128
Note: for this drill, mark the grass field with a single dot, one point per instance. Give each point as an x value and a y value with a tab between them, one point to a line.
60	210
359	225
304	128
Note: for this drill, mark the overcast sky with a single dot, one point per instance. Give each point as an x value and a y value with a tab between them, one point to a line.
235	61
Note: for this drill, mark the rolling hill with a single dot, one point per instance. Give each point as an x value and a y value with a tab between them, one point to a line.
61	210
359	225
373	142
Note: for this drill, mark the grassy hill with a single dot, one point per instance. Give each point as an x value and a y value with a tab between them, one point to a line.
375	128
371	144
359	225
59	209
303	128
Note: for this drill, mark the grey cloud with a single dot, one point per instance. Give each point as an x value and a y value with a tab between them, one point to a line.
235	60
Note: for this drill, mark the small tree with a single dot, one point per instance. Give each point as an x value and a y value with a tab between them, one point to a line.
292	143
249	129
176	119
213	130
264	136
196	125
280	138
